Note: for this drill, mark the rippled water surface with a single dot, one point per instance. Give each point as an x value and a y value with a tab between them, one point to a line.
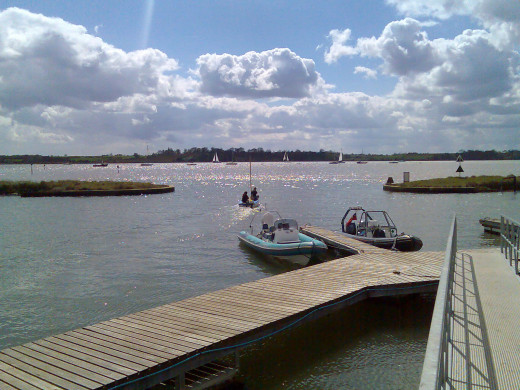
70	262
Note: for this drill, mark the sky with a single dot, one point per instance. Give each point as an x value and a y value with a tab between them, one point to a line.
92	77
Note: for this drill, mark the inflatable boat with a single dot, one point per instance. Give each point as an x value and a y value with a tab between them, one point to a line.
377	228
281	238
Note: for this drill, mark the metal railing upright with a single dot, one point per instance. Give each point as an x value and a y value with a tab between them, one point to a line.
436	361
509	240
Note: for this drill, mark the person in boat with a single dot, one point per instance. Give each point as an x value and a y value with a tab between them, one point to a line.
351	227
245	197
254	194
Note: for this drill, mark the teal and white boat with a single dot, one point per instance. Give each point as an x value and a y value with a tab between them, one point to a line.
281	238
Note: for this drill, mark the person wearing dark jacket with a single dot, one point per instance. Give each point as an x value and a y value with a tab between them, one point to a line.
254	194
245	198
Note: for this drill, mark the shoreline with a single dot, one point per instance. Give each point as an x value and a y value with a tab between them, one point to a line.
121	192
455	185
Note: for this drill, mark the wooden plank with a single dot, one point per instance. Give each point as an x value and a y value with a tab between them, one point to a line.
40	373
73	360
210	312
210	319
6	386
133	344
172	343
266	294
90	355
228	310
283	306
202	332
109	352
248	309
188	323
71	372
168	329
305	300
248	302
23	380
128	336
129	352
146	329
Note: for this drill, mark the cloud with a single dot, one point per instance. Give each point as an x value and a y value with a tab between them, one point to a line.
367	72
64	91
402	46
338	48
500	17
272	73
51	62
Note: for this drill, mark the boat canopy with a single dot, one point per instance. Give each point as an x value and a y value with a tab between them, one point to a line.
285	231
368	223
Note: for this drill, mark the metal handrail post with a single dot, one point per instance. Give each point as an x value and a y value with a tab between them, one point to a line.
502	234
436	362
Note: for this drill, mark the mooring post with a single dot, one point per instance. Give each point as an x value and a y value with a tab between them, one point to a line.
180	383
237	359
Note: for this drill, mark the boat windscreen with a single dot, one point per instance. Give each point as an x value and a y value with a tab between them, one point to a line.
285	224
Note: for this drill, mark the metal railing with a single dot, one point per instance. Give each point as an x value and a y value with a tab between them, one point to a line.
435	368
509	240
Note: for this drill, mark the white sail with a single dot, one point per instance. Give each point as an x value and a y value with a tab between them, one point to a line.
340	156
215	158
285	157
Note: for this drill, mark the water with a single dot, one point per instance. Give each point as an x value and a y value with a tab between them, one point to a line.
70	262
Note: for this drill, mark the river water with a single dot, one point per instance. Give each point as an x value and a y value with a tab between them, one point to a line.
69	262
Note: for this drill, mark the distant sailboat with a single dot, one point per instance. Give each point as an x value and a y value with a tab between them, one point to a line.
340	159
215	158
232	162
147	154
362	161
286	157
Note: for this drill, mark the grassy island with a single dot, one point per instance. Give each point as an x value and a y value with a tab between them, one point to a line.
80	188
457	185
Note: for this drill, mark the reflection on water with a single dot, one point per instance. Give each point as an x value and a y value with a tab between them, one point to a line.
375	344
70	262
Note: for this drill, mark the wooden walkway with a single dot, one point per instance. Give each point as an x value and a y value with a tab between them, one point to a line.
485	338
143	349
340	241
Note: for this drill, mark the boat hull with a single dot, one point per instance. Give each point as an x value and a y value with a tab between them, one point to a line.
252	205
299	253
403	243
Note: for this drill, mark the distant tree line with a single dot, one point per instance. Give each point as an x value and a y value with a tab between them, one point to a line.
258	154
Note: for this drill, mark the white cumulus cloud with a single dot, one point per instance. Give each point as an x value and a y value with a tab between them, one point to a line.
272	73
52	62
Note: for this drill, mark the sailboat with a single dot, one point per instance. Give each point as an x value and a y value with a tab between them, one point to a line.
147	154
232	162
285	157
215	159
362	161
340	159
253	203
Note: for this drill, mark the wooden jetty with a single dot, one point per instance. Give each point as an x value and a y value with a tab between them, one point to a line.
491	225
144	349
341	241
